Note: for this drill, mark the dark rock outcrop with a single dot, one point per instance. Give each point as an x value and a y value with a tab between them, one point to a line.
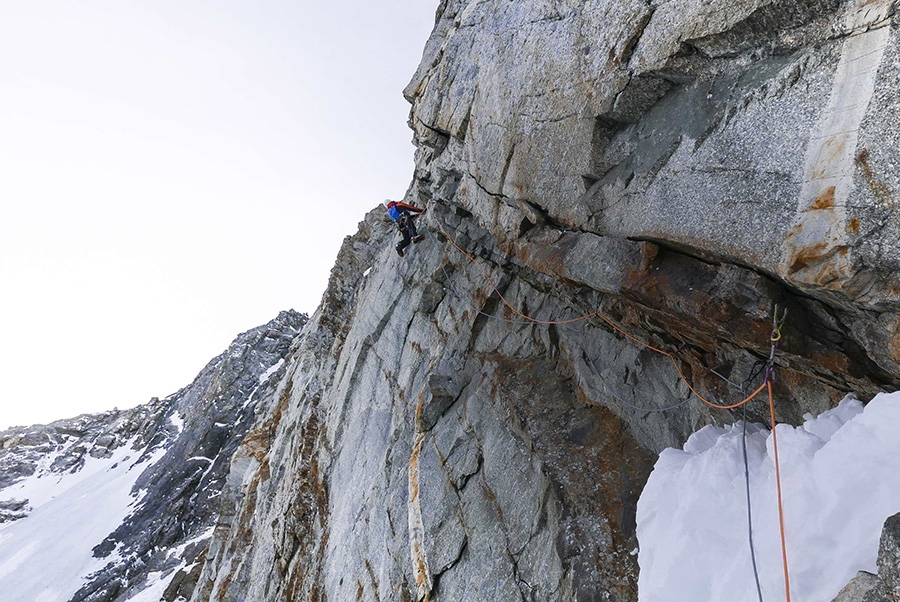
887	588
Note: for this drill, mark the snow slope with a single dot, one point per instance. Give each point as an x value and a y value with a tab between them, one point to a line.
841	480
45	556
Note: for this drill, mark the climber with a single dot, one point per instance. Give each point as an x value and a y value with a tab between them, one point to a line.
405	216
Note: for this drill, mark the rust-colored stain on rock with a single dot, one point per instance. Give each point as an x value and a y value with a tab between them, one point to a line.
824	200
834	146
806	256
821	259
894	344
881	192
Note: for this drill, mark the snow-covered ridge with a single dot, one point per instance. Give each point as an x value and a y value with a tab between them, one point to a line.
42	462
47	484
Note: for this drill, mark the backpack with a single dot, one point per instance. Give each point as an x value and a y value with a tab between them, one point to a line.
394	213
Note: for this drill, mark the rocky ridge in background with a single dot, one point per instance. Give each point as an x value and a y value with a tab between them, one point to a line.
63	446
196	430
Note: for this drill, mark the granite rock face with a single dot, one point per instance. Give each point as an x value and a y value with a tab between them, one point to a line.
217	409
680	167
417	445
756	135
859	587
887	588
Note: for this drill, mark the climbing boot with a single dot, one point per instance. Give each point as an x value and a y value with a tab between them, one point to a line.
400	252
418	238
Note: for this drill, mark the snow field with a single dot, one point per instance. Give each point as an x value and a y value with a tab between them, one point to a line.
45	556
840	476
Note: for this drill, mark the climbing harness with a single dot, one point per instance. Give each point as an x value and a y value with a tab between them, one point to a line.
778	320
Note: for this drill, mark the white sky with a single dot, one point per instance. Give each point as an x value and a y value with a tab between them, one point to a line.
174	172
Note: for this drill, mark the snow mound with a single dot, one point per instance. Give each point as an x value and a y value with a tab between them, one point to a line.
840	476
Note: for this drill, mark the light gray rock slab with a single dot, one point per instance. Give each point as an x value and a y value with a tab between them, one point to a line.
858	588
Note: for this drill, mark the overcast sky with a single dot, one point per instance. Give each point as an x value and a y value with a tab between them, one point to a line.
174	172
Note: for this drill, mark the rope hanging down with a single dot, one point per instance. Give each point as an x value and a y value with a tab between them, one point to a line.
749	504
777	323
755	371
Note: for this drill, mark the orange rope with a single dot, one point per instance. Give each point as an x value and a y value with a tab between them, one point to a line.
680	373
605	319
787	580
